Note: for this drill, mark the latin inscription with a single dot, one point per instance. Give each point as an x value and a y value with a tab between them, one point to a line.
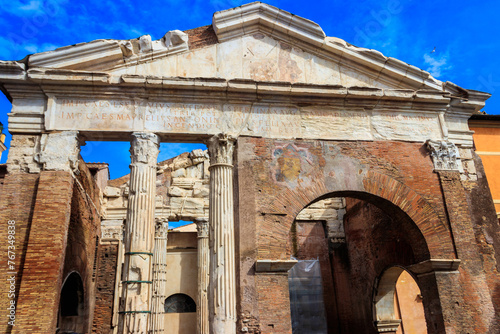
262	120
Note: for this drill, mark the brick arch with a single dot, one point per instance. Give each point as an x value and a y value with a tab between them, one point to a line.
375	188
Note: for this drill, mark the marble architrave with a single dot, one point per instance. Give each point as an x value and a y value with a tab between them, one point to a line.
264	120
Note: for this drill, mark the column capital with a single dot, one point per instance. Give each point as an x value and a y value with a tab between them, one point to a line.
221	148
144	148
445	155
202	227
161	228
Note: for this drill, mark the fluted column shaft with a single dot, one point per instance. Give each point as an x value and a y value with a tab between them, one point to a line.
202	314
140	233
159	277
222	285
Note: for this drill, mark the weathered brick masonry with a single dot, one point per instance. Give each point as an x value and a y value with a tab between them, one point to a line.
57	222
45	254
105	285
405	215
17	201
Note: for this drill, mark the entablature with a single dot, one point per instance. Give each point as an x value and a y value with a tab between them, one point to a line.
97	102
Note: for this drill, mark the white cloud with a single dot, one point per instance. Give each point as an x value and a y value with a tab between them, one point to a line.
31	6
437	64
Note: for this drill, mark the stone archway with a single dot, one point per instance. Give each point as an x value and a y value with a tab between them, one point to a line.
354	240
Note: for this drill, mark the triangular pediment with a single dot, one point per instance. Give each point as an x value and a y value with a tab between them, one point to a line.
254	41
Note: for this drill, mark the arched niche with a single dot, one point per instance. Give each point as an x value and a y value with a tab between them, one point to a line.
71	305
180	303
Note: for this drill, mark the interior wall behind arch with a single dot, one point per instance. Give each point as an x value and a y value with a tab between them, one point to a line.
374	241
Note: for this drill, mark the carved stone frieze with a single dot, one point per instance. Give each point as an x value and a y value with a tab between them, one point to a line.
112	233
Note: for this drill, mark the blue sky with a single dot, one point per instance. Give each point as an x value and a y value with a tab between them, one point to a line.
465	35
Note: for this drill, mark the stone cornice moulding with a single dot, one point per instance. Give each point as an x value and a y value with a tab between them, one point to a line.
257	16
435	265
106	54
12	70
239	21
274	266
93	84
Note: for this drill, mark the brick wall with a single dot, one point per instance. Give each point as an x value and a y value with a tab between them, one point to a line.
277	179
41	279
473	301
108	254
56	228
82	242
274	303
17	199
201	37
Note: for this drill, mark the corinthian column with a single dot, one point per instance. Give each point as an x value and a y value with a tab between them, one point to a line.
140	233
203	276
159	277
222	288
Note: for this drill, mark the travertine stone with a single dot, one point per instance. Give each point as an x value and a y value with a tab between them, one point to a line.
203	275
175	38
140	233
181	172
187	204
145	43
182	161
346	122
388	326
194	171
201	192
332	212
60	151
185	183
159	276
23	149
112	192
198	156
222	287
179	192
111	230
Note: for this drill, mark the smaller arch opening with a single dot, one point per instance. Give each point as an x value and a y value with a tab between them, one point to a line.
398	303
72	296
71	305
179	303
